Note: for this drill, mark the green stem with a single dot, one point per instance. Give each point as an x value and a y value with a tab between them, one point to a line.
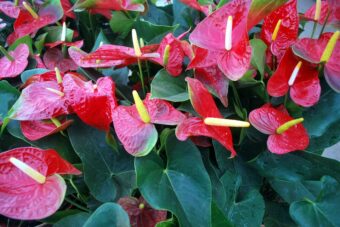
285	100
16	2
76	189
121	94
147	70
324	24
4	52
141	77
64	50
236	96
314	28
76	205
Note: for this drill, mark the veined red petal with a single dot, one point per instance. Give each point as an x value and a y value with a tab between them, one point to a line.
201	99
18	65
202	58
137	137
288	30
332	73
310	13
162	112
9	9
110	5
195	5
195	126
213	78
67	8
38	103
55	58
35	130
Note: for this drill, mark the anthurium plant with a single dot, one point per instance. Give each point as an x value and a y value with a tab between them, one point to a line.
190	113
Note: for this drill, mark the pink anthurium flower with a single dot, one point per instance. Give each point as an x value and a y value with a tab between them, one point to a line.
121	56
324	10
209	74
141	213
285	133
31	187
280	28
14	62
29	21
172	53
324	51
225	33
135	127
35	130
8	8
298	75
67	8
93	103
211	122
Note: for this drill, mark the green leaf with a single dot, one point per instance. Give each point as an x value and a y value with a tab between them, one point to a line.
31	72
258	55
217	217
108	214
322	122
8	96
101	38
164	86
184	16
121	24
322	212
109	174
176	185
40	42
277	215
54	34
152	33
77	219
25	40
295	176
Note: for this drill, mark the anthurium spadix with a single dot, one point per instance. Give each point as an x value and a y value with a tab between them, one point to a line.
324	51
210	123
285	133
31	187
225	33
13	62
134	125
280	28
297	76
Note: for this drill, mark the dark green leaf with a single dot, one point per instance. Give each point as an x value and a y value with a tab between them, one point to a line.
258	54
26	40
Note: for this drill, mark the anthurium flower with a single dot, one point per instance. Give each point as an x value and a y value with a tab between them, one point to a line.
324	51
225	33
172	54
206	9
35	130
31	187
55	58
298	76
67	8
29	21
209	74
39	101
108	5
323	10
280	28
140	212
285	133
14	62
93	103
135	127
211	122
8	8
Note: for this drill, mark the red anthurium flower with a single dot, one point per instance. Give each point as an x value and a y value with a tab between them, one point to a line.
9	9
286	133
211	122
298	75
172	54
209	74
320	10
135	127
206	9
29	22
39	101
280	28
225	33
35	130
14	62
67	8
93	103
325	50
31	187
121	56
140	212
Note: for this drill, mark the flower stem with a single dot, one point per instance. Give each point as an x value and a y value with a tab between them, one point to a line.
314	28
4	52
76	205
285	100
141	77
16	2
122	95
324	24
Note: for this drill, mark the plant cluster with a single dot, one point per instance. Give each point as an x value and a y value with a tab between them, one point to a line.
169	113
